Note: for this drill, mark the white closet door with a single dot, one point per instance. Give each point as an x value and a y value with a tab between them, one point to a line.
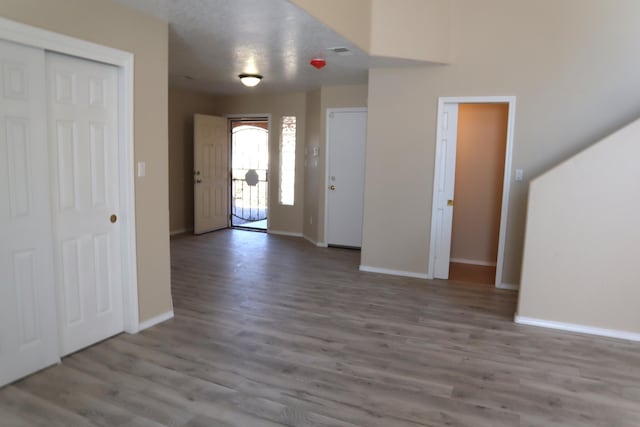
28	332
83	133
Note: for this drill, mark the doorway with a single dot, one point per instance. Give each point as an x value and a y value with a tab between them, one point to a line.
480	151
473	162
250	173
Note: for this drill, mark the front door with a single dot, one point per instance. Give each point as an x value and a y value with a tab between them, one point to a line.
346	141
211	172
83	135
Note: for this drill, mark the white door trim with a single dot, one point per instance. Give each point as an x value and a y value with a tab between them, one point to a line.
511	100
326	163
47	40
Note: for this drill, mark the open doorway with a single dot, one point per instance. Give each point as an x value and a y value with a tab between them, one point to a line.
479	176
473	162
250	173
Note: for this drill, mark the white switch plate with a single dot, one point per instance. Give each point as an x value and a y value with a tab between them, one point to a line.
519	174
142	169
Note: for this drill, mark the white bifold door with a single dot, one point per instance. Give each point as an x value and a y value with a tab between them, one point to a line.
60	254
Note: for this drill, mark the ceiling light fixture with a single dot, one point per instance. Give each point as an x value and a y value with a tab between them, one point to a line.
250	80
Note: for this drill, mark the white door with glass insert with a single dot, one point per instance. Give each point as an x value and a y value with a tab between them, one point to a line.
444	188
83	140
211	173
28	323
346	142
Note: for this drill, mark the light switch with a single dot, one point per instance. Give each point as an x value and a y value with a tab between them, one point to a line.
316	150
519	174
142	169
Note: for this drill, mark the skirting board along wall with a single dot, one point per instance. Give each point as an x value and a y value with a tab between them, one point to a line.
472	262
389	272
181	231
156	320
313	242
284	233
571	327
508	286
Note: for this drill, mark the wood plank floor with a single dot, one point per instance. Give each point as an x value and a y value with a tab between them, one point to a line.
473	274
271	331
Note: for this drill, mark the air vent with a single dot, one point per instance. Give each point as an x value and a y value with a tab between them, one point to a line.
342	51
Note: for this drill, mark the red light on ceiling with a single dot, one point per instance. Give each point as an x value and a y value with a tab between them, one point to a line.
318	63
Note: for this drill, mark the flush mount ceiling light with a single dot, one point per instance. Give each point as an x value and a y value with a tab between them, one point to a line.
250	80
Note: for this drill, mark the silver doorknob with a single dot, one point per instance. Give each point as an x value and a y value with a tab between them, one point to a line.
333	187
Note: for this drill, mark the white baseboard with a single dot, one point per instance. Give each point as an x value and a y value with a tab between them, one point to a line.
181	231
508	286
389	272
284	233
571	327
472	262
156	320
313	242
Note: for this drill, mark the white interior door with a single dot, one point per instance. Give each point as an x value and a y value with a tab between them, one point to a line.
83	134
346	142
211	173
28	331
444	188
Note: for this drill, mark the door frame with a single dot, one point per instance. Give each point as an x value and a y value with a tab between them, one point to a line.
50	41
267	116
330	111
511	101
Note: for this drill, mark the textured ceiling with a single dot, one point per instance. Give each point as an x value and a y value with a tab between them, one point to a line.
212	41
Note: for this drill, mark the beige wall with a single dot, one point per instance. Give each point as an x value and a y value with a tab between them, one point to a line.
329	97
480	154
573	66
349	18
408	29
286	219
182	106
581	252
313	174
411	29
112	25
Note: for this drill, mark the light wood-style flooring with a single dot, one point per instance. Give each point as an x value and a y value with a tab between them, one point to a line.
469	273
272	331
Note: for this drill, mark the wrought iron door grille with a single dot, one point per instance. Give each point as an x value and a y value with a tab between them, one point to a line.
249	202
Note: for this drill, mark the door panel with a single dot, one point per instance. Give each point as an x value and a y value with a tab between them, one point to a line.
83	131
345	197
446	167
28	332
211	177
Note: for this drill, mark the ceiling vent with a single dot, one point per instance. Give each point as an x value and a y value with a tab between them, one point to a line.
342	51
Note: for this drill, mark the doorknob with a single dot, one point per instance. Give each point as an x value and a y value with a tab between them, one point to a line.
198	181
333	187
449	202
113	218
